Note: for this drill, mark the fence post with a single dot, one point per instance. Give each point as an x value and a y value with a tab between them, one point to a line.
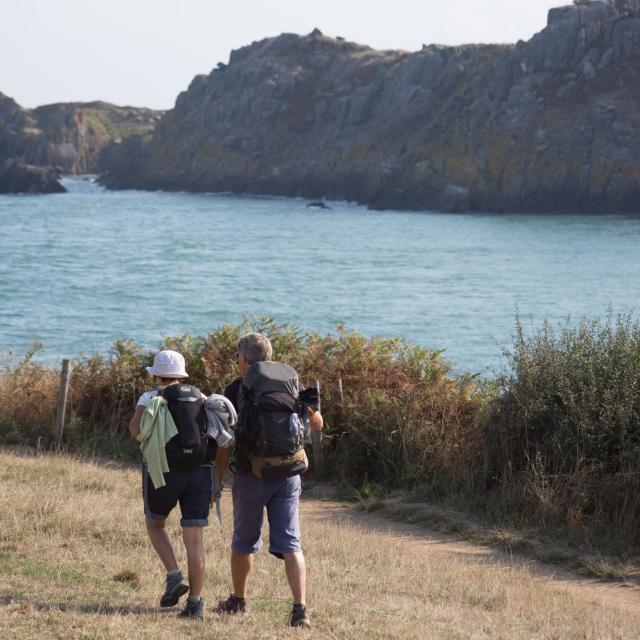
62	401
340	392
316	436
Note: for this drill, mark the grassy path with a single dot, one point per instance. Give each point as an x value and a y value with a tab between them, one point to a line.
75	563
421	540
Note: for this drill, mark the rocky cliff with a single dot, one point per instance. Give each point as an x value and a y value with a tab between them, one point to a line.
75	133
67	136
17	177
548	124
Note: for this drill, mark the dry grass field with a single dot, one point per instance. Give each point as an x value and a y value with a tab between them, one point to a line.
75	563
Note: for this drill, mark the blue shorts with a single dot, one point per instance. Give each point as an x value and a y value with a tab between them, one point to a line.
281	498
192	489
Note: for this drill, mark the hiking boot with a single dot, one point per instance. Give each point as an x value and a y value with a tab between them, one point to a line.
193	609
175	589
232	605
299	616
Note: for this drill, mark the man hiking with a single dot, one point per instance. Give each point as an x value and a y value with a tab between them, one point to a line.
269	458
170	422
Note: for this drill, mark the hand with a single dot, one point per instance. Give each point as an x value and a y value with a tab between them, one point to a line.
215	495
316	420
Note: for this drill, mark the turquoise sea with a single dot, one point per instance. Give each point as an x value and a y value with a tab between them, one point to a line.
81	269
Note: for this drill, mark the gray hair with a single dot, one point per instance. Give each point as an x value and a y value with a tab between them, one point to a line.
255	347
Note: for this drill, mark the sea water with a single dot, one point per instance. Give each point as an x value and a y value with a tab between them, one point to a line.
82	269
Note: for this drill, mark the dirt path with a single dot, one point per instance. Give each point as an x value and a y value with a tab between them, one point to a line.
420	539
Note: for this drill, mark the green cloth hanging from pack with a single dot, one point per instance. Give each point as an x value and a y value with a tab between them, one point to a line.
156	429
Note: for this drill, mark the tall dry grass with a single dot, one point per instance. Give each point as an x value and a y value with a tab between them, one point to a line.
403	415
75	563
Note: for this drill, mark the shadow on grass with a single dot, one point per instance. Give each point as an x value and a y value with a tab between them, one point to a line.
98	607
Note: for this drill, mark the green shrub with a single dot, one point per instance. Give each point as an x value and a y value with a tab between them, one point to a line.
564	428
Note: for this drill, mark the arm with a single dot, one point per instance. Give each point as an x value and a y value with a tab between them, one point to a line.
134	424
222	461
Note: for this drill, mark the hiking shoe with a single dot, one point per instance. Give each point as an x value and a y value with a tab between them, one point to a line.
232	605
299	616
175	589
193	609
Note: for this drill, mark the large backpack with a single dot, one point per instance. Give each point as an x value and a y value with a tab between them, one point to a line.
188	449
269	421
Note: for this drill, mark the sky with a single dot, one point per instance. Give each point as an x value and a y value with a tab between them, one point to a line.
144	52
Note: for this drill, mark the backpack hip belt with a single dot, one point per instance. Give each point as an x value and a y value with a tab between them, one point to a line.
279	466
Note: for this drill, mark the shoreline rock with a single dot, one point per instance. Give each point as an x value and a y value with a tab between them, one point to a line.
318	204
17	177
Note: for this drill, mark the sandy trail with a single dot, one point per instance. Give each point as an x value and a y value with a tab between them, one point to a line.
420	539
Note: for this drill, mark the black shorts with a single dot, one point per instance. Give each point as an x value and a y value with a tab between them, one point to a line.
192	489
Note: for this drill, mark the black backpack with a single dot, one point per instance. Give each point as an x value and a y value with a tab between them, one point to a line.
267	399
188	449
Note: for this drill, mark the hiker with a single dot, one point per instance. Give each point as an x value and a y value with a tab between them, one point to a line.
269	458
180	445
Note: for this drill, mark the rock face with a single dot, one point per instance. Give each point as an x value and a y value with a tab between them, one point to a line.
67	135
16	177
75	133
548	124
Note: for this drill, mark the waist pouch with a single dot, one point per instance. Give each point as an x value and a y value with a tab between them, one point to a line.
181	458
277	467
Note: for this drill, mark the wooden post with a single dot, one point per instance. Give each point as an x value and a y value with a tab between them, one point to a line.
62	400
316	436
340	392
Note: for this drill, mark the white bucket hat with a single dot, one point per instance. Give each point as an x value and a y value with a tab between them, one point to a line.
168	364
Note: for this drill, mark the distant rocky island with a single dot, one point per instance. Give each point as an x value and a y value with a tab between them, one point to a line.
38	145
550	124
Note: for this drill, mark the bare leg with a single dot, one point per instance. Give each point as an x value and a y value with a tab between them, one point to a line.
162	543
241	565
296	571
194	544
